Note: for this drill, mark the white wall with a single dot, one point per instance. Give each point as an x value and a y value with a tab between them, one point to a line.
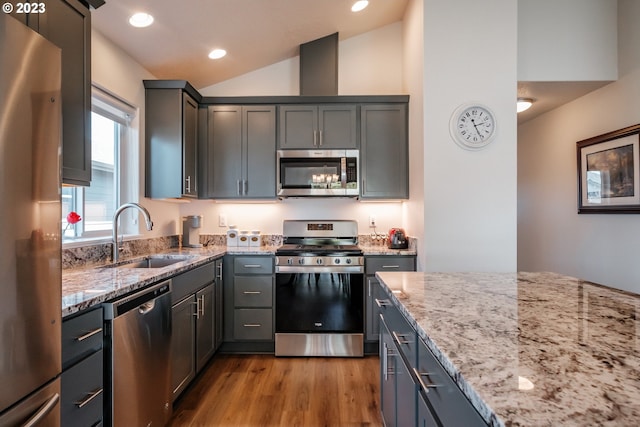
551	235
369	64
470	200
114	70
413	78
568	40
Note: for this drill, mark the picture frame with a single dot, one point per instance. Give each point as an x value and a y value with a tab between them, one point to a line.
609	172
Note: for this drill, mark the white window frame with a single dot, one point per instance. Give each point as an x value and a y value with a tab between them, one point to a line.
126	189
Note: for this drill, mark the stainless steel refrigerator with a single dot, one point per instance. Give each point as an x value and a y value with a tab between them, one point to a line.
30	227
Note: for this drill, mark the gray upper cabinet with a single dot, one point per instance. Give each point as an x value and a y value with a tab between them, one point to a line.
384	151
171	143
240	152
67	24
318	126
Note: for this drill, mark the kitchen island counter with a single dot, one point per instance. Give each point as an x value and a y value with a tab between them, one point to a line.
534	349
83	288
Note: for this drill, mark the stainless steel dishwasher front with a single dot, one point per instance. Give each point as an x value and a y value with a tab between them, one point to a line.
138	349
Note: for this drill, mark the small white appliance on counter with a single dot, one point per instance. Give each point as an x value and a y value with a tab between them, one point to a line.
190	234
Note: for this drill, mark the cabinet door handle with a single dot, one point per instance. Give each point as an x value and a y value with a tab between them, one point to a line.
252	292
197	304
219	275
424	385
315	138
252	325
43	411
90	396
320	133
88	335
401	338
202	306
369	286
382	302
252	266
238	189
390	266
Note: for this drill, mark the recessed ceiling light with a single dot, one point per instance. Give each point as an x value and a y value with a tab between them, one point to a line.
217	53
523	104
359	5
141	20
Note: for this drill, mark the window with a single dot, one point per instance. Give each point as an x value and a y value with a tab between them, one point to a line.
112	145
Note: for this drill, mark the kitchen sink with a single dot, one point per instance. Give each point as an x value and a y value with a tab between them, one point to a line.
157	261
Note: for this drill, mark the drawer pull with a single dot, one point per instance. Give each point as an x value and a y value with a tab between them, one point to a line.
252	325
425	386
401	338
382	302
252	292
88	335
390	266
89	398
252	266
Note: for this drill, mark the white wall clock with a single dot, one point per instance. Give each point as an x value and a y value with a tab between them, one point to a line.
473	126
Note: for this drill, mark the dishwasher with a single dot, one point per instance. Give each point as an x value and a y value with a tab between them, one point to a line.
138	349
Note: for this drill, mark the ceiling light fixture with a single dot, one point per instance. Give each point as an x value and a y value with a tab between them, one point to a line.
141	20
523	104
359	5
217	53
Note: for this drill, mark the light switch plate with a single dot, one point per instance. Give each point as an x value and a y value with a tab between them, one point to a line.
222	220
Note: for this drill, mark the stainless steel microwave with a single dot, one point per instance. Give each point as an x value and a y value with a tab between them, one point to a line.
303	173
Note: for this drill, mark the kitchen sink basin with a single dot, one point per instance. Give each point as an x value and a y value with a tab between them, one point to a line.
153	262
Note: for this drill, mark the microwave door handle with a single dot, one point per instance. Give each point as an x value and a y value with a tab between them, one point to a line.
343	172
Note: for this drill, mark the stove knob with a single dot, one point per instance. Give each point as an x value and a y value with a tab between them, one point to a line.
348	260
290	261
301	261
337	260
319	261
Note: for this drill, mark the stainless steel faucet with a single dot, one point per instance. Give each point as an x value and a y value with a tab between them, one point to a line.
114	237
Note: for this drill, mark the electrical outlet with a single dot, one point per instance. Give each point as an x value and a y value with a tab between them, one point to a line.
222	220
372	221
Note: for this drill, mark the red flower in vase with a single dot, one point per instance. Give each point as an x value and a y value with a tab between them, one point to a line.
73	218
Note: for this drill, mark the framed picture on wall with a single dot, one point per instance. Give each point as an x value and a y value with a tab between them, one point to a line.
608	172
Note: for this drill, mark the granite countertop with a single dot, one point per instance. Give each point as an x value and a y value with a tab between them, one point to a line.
85	287
383	250
575	342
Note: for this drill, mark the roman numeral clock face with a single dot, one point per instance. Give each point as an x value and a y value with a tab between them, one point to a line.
472	126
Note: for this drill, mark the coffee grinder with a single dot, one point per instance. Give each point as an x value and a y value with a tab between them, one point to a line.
190	234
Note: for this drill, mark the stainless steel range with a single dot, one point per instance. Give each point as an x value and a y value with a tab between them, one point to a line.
319	290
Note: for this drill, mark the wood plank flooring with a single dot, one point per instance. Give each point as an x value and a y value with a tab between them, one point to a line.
268	391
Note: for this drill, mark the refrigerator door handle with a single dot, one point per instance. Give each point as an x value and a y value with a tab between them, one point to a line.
43	411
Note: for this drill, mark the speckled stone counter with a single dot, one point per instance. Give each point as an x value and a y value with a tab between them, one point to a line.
85	287
530	349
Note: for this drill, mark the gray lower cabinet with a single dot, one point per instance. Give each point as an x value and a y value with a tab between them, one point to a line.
171	135
82	370
415	390
196	322
374	290
384	151
318	126
249	297
240	152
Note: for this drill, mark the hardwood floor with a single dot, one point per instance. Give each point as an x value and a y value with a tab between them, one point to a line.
266	391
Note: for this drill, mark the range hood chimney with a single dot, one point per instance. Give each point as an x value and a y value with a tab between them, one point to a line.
319	67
